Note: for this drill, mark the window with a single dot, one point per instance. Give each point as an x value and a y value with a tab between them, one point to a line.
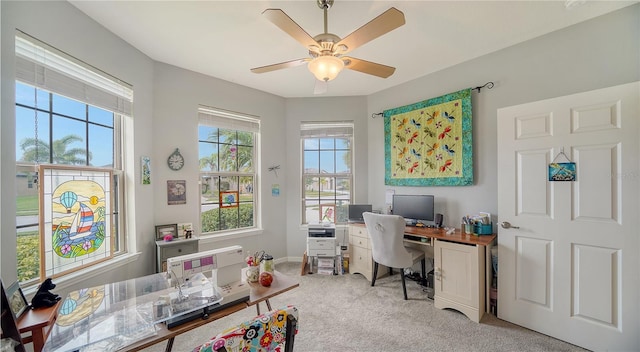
69	160
327	178
228	150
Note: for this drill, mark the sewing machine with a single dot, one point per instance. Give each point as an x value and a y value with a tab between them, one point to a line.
223	266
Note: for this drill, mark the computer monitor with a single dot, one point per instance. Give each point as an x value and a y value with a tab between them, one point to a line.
356	210
414	208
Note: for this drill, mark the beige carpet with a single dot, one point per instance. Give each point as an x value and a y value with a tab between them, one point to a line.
344	313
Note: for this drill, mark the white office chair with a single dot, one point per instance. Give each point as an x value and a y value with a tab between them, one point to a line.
387	245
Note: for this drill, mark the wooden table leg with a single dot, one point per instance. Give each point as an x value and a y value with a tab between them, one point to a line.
38	339
303	269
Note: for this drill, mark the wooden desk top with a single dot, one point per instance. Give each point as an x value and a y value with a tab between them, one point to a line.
441	234
457	236
37	318
281	283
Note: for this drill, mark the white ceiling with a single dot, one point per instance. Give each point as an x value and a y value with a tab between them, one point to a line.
225	39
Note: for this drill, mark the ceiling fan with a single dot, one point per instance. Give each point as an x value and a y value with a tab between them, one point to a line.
327	50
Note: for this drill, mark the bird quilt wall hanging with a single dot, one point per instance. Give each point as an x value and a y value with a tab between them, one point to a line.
429	143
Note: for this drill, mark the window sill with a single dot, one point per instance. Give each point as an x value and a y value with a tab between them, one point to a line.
229	235
63	283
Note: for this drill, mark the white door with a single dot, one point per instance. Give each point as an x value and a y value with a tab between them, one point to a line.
568	267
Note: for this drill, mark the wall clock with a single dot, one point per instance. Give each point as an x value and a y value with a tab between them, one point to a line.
175	161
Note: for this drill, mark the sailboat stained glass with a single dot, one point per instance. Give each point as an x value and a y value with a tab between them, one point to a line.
76	218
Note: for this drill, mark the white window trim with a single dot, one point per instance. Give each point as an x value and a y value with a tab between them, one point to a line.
45	67
325	129
220	118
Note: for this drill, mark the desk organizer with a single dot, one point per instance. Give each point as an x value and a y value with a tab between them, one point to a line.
483	229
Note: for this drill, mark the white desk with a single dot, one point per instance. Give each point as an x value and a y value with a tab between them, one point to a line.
462	265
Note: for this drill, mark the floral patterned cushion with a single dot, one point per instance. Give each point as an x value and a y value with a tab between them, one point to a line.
266	332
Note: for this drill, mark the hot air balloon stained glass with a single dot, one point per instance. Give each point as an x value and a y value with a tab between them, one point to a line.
68	199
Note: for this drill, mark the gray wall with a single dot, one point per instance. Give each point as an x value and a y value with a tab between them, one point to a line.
177	94
594	54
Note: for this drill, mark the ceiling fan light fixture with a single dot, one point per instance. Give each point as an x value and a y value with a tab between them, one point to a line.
326	68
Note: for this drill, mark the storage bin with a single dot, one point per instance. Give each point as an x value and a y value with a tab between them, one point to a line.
482	229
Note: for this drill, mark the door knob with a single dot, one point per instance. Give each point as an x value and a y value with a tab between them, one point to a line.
507	225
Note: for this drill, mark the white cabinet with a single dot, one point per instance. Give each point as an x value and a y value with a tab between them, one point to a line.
360	260
175	248
459	278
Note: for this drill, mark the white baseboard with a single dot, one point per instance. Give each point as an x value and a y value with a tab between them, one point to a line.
288	259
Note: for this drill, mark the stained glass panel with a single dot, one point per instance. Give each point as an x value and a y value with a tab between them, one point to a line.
76	219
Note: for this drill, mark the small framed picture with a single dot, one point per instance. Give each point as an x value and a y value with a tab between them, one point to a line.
164	230
145	167
176	192
327	213
17	302
184	228
562	171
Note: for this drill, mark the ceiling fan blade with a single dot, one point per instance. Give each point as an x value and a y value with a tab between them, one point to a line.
320	87
386	22
289	26
279	66
368	67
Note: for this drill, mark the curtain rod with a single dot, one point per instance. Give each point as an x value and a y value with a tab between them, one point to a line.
487	85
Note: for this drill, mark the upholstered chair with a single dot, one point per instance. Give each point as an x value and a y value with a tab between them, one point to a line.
273	331
387	245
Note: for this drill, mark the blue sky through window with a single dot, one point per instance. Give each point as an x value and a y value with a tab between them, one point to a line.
99	124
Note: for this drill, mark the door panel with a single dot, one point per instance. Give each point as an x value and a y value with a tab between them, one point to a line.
533	263
533	193
597	193
569	267
459	281
597	303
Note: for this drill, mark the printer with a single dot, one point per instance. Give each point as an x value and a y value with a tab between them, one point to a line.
321	242
322	230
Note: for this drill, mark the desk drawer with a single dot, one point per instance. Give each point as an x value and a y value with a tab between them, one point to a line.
174	251
358	231
359	242
362	258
